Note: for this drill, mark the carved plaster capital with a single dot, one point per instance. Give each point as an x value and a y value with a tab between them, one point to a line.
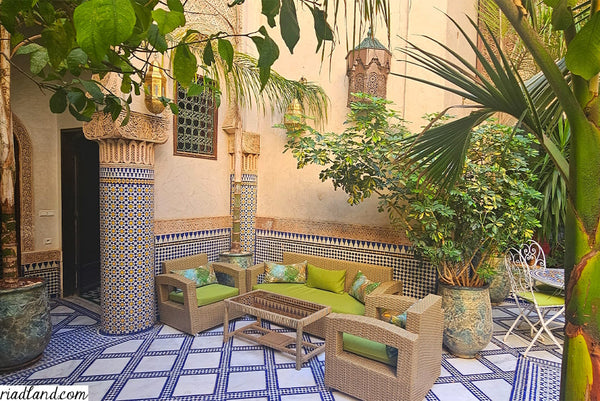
141	127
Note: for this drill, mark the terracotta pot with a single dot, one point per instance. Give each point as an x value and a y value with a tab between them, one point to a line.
468	325
25	327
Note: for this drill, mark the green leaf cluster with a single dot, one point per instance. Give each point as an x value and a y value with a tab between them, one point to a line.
69	41
490	208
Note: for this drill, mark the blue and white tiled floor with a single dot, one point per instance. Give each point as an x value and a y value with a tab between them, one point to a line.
164	364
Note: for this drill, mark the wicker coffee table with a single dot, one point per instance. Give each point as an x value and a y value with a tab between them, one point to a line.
281	310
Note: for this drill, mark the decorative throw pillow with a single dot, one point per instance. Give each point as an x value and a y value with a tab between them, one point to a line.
277	273
362	286
202	275
397	319
328	280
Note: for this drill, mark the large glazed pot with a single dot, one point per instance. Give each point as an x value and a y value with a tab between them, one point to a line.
500	283
468	322
25	327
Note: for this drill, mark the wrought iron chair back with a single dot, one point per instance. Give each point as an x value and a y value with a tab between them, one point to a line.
529	300
533	254
518	272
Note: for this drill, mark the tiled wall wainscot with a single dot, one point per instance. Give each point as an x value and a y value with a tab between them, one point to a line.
49	270
418	278
178	245
127	249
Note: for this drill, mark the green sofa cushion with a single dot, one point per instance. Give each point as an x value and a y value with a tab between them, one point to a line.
324	279
340	303
209	294
367	348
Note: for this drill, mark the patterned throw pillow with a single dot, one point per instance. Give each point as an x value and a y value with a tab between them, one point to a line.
277	273
362	286
202	275
395	318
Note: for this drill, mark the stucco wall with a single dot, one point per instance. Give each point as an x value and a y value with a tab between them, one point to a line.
31	107
285	192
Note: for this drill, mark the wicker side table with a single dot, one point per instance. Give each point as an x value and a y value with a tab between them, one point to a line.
281	310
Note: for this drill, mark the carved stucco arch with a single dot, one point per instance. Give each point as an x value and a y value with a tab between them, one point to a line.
26	183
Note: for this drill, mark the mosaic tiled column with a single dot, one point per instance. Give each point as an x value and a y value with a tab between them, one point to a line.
250	153
127	220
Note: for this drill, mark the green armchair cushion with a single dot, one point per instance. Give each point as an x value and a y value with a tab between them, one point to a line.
208	294
372	349
368	349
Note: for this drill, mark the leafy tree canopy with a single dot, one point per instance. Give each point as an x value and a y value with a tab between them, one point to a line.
68	41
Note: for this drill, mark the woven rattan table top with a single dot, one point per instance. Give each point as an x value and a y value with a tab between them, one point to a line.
286	307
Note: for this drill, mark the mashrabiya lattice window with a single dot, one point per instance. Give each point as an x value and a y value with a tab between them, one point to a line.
195	127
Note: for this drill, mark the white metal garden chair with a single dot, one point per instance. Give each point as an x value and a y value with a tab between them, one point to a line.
547	306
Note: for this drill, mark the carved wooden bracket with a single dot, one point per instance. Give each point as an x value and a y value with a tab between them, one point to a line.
141	127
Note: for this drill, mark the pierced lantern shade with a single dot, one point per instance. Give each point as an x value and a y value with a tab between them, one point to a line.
293	118
156	87
368	67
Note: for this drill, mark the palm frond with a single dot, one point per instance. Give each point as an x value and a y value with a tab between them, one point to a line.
442	150
243	86
494	87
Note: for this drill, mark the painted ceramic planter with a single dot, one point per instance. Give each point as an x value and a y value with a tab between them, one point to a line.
500	284
242	259
468	322
25	327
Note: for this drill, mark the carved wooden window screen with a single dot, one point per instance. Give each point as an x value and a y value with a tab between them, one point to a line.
195	127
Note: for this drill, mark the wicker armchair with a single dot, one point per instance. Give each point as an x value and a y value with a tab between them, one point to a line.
189	317
419	351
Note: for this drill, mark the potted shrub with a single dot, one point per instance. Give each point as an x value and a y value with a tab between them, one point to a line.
458	230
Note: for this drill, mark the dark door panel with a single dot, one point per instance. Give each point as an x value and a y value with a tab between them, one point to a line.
80	212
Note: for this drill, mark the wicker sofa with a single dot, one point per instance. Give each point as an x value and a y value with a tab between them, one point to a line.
419	347
181	310
343	304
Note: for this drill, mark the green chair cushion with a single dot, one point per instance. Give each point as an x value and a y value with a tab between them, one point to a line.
542	298
208	294
340	303
367	348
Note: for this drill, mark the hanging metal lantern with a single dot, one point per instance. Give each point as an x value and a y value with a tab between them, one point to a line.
368	67
156	87
294	117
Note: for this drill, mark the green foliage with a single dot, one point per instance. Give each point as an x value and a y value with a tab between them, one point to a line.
75	38
491	207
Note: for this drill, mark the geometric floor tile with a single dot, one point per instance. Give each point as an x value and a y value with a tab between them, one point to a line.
202	360
163	363
453	391
468	366
506	362
496	390
60	370
107	366
195	385
136	389
96	389
126	347
166	344
246	381
156	363
293	378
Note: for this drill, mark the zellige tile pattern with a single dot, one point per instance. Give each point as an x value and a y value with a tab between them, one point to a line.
165	364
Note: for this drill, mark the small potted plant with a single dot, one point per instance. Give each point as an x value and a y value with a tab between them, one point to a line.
458	231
